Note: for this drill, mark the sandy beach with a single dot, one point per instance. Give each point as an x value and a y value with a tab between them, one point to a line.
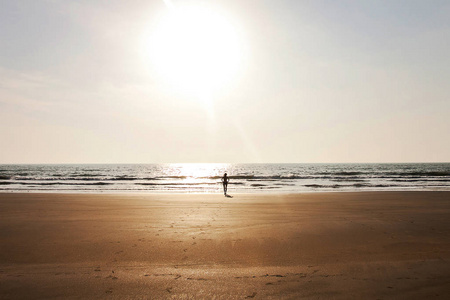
371	245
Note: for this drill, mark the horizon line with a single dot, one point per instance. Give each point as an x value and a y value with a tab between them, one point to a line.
236	163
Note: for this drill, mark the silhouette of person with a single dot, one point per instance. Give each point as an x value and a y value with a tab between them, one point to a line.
225	179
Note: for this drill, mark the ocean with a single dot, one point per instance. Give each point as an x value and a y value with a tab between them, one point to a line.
205	178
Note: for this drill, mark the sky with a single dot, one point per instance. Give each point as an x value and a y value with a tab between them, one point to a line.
253	81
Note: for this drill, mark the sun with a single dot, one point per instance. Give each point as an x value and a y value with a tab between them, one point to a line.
196	49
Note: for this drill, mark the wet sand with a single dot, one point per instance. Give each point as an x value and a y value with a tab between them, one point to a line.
371	245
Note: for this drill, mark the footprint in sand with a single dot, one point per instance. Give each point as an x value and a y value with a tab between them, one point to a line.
251	296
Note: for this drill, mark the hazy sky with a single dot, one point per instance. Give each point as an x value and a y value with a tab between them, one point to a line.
316	81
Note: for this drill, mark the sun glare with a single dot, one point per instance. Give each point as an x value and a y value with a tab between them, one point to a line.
196	49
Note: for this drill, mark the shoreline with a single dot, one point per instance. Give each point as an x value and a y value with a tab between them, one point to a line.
256	193
366	245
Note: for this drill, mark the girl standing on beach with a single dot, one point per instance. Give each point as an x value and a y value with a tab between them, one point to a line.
225	180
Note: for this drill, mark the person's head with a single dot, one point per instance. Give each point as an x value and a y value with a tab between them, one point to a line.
225	175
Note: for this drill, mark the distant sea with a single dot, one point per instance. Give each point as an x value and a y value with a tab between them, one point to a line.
205	178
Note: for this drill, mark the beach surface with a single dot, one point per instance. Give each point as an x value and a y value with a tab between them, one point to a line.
370	245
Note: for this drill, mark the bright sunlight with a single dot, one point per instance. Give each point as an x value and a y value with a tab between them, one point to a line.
196	49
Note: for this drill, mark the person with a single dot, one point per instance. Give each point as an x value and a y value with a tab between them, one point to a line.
225	179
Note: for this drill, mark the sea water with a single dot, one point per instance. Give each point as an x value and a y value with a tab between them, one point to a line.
205	178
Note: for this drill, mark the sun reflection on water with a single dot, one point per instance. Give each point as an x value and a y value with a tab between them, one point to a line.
197	170
194	175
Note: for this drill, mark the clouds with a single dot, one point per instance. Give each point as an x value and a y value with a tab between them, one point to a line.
27	91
